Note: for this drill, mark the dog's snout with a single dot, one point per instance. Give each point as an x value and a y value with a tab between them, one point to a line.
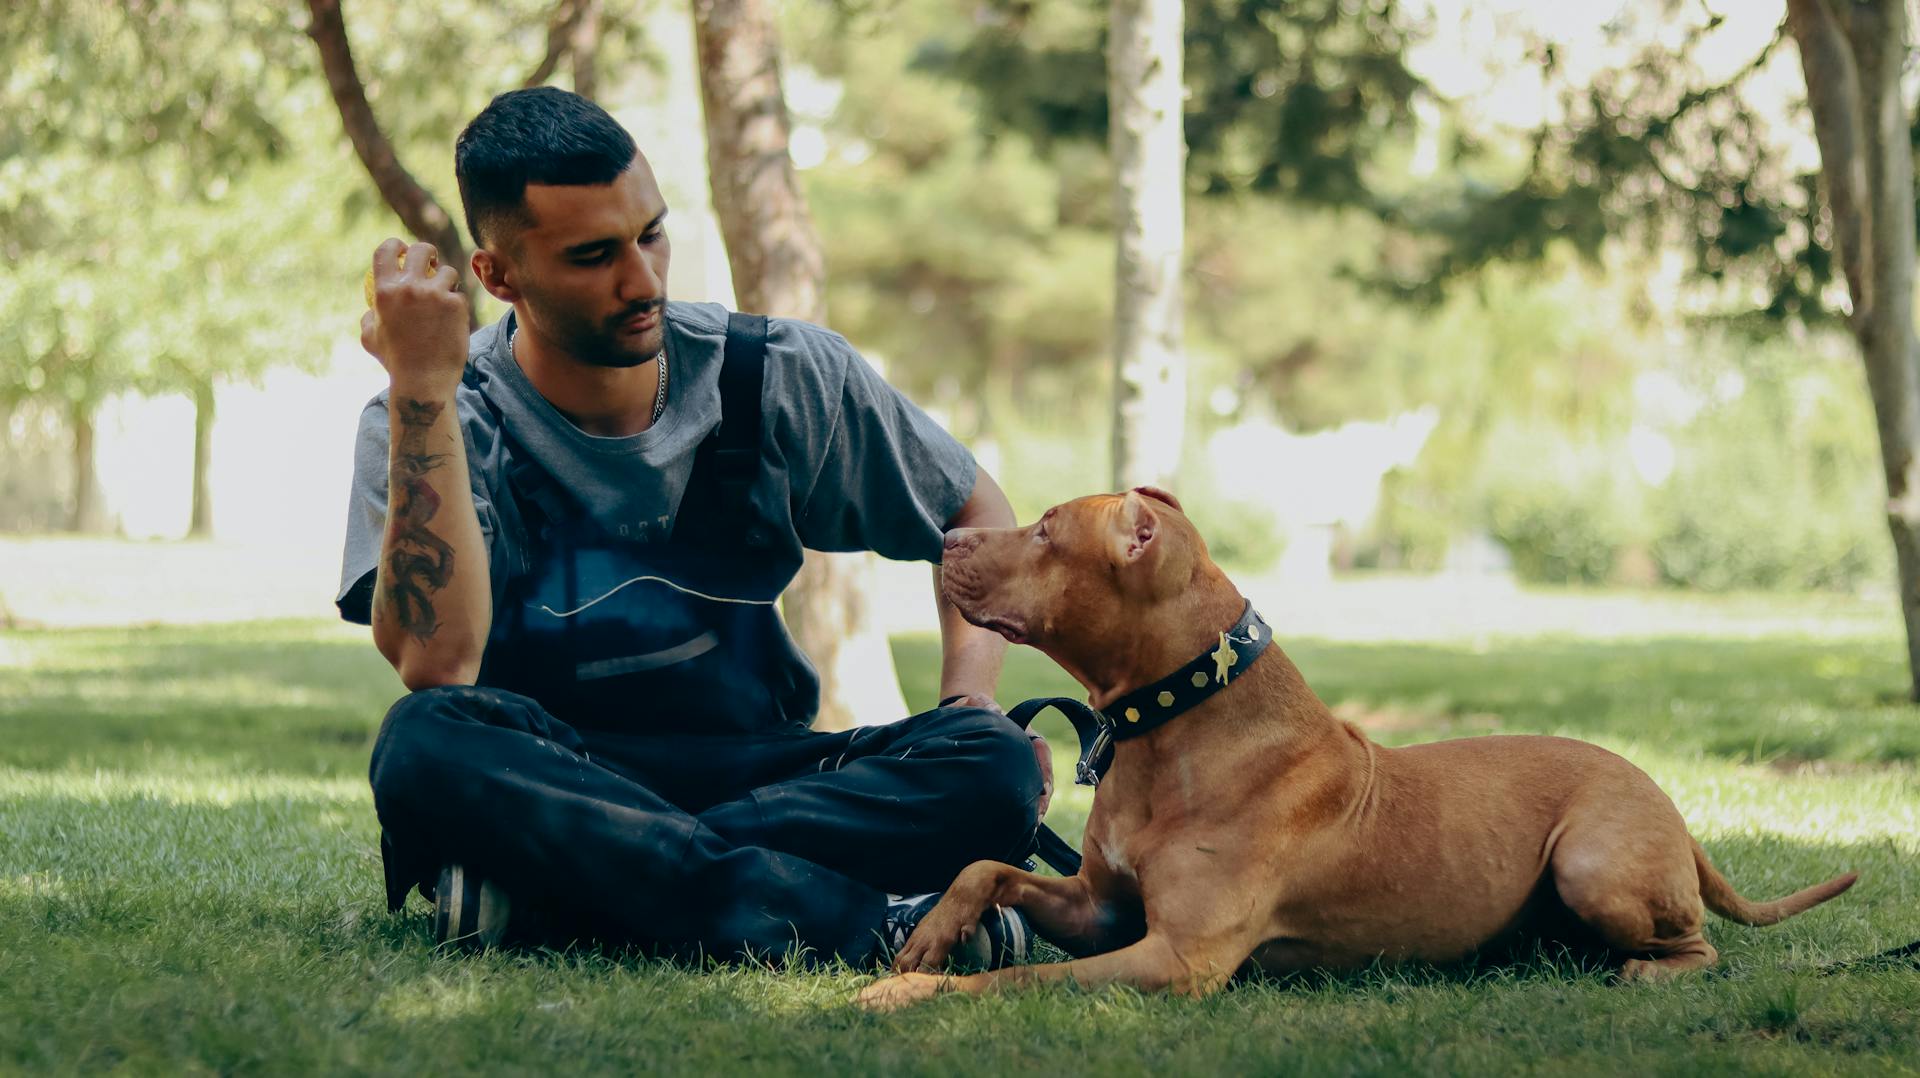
961	541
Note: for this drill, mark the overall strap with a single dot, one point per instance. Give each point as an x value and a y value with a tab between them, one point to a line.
526	479
716	508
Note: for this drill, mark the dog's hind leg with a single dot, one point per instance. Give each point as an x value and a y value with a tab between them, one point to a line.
1624	866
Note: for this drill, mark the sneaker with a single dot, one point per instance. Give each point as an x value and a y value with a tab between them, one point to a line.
468	910
1002	938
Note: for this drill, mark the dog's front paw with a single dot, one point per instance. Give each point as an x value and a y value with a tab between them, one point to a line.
902	990
933	940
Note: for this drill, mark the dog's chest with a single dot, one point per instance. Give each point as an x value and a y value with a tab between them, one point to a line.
1114	828
1132	821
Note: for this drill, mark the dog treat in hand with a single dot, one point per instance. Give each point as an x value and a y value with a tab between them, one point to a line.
432	264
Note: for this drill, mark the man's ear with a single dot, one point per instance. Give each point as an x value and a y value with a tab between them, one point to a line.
492	272
1140	524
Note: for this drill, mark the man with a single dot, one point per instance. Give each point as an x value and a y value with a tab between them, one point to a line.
568	532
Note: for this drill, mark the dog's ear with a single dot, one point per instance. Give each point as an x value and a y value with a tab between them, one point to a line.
1156	492
1139	524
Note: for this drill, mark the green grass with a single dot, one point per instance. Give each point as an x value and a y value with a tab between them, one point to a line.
189	882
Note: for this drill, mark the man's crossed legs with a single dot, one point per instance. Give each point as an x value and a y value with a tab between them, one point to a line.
762	843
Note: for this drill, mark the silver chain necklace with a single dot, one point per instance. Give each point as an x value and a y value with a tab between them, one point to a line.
660	389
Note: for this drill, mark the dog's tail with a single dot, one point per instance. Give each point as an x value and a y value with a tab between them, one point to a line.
1722	899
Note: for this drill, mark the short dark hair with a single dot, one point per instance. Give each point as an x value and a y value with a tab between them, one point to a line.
540	135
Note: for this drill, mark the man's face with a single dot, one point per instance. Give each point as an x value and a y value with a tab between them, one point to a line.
593	267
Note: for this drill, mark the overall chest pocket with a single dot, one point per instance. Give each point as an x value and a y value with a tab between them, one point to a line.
605	636
606	611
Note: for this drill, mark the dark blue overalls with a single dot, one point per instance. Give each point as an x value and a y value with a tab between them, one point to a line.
635	760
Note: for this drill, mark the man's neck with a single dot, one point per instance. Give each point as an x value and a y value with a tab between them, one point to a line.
607	402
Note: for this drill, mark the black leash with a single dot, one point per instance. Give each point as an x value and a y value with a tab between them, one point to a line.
1908	955
1096	752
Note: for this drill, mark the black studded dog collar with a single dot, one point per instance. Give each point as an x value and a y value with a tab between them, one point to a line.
1161	702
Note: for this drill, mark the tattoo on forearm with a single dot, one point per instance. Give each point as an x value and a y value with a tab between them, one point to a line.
419	562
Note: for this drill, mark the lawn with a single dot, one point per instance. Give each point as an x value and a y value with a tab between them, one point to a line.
189	882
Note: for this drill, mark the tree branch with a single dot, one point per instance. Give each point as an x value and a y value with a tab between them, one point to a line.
416	207
1708	93
560	26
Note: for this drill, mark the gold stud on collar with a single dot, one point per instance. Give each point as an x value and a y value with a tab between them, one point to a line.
1165	699
1133	714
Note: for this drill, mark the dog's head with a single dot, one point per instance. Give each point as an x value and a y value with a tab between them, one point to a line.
1074	582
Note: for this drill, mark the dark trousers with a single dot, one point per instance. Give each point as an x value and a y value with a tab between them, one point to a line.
762	844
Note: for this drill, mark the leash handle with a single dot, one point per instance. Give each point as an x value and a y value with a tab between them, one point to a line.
1094	731
1096	752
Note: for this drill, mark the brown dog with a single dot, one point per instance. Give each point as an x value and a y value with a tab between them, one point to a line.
1255	826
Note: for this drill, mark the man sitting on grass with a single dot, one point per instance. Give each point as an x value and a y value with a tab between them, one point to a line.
568	532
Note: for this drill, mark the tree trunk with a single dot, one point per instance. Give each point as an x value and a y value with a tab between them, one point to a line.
86	511
777	268
566	15
1851	54
772	249
201	526
586	50
416	207
1144	92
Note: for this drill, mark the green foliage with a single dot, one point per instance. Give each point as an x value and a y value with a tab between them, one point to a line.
165	108
1563	510
1656	150
1241	536
214	119
227	288
34	482
1777	489
1270	315
975	267
1773	482
52	326
178	205
1413	529
1286	97
1532	374
966	204
186	92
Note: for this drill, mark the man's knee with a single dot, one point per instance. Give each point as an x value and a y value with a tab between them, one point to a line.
1003	777
405	741
415	739
413	715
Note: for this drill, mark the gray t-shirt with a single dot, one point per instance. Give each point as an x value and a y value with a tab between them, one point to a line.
847	461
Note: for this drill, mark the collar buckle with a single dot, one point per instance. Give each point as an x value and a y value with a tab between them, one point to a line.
1093	759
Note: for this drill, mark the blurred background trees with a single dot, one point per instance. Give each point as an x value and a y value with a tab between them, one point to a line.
1473	284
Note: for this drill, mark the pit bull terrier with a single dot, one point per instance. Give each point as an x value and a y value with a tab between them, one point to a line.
1242	824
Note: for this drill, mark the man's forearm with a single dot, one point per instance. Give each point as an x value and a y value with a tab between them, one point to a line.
432	604
971	657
